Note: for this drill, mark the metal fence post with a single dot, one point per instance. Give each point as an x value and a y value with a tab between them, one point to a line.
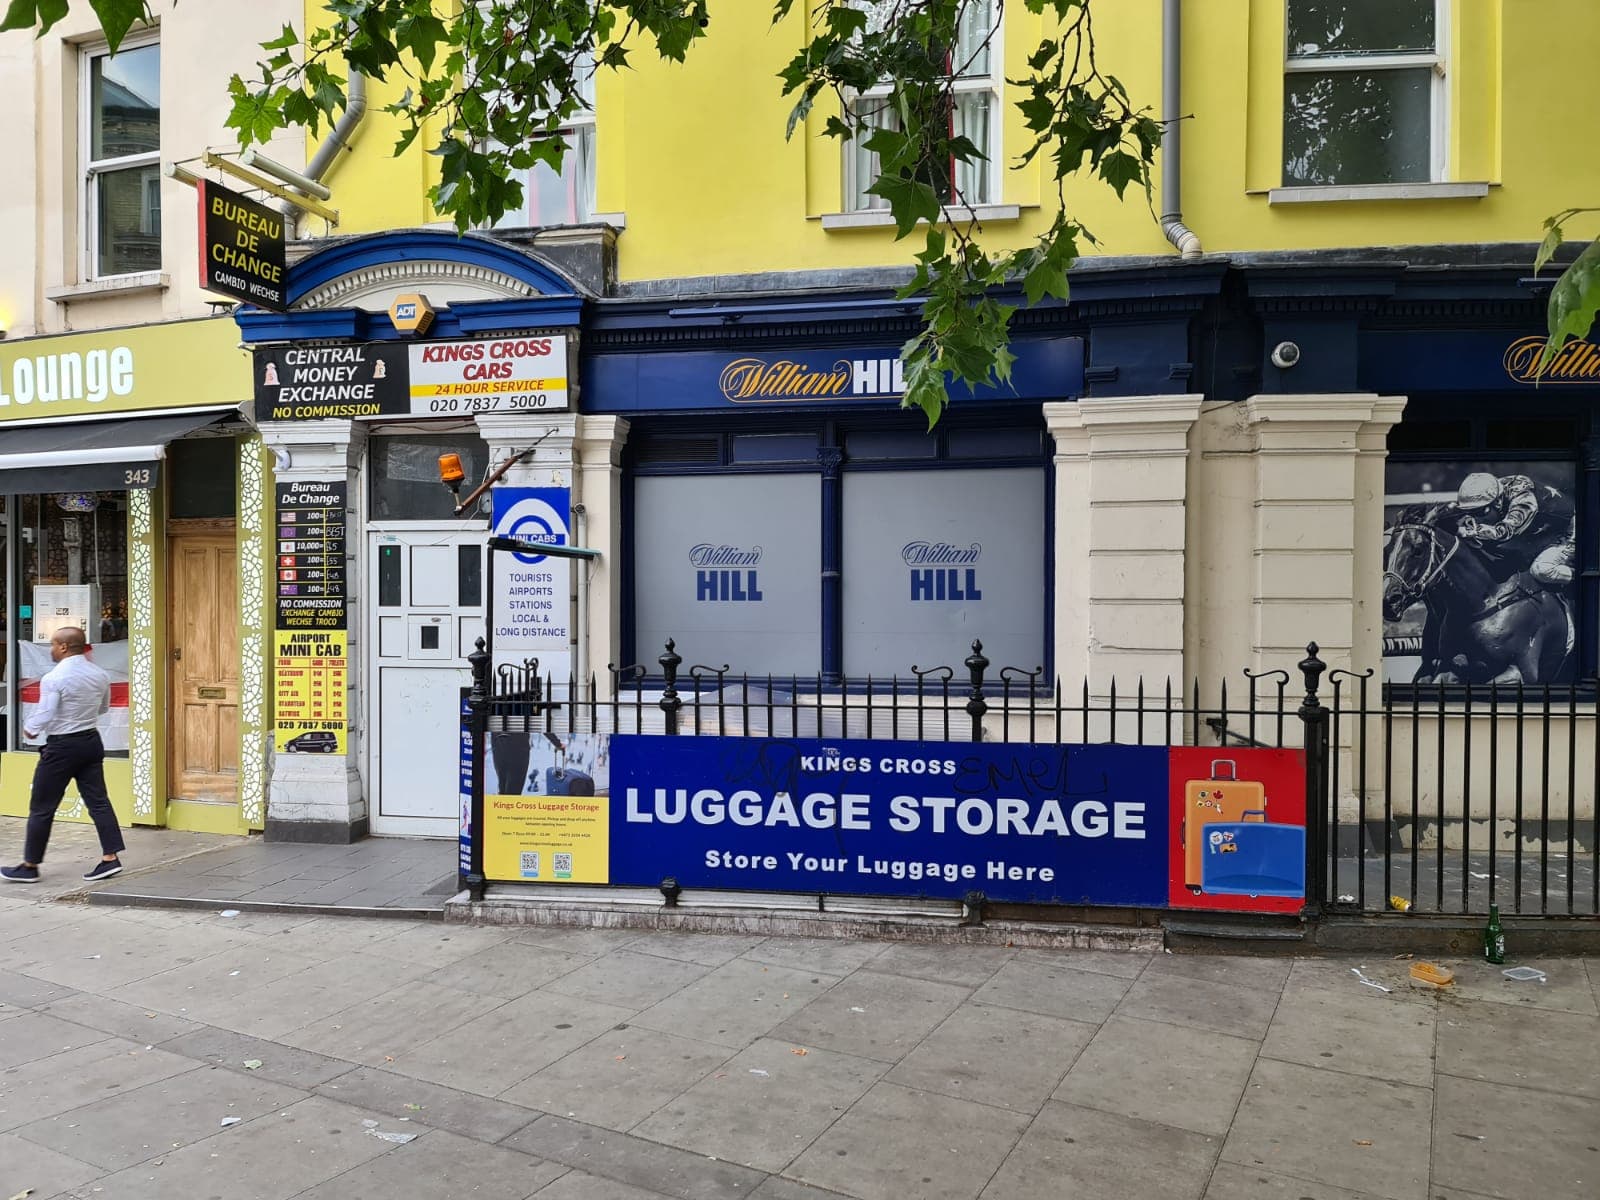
1315	717
478	725
976	704
671	702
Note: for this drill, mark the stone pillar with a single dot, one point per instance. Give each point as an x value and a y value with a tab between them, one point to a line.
320	797
1318	526
1121	486
599	451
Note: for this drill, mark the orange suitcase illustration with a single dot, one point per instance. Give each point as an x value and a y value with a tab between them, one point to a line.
1223	797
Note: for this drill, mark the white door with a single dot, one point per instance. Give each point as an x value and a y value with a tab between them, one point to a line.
425	612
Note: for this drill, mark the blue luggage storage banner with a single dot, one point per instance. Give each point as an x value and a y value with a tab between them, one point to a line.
1022	823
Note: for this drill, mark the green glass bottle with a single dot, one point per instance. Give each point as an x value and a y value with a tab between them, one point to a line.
1494	937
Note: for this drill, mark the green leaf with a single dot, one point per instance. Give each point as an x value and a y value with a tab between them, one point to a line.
1547	248
1574	301
116	17
1119	169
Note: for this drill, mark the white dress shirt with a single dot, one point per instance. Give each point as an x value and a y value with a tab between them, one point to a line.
72	696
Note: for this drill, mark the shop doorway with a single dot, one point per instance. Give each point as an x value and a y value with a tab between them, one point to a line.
424	613
204	639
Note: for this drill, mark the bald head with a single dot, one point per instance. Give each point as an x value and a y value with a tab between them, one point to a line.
70	640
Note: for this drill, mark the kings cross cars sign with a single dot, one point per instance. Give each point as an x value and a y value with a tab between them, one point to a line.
241	247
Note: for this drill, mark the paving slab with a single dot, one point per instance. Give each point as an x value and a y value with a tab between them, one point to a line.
118	1019
279	1062
822	956
899	1142
580	1185
635	1162
1233	1182
428	1104
1363	1032
1530	1141
32	1036
52	1085
736	1003
1226	1008
1547	1051
1072	1151
765	1105
1046	984
47	1172
621	1077
147	1122
441	1164
374	1031
1000	1056
488	1054
272	1157
873	1015
1167	1074
1347	1130
508	969
918	960
626	978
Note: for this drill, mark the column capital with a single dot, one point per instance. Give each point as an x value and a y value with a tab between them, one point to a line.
314	449
600	440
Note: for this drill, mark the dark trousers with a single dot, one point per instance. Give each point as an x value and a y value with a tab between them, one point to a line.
66	757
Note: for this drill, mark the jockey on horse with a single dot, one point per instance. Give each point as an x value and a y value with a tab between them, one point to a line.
1529	526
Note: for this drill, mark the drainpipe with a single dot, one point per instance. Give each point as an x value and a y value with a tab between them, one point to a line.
338	139
1179	234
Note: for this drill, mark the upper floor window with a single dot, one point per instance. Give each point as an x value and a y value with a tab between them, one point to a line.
122	170
972	110
1363	95
564	197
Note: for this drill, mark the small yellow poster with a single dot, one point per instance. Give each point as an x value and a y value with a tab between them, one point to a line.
547	839
309	690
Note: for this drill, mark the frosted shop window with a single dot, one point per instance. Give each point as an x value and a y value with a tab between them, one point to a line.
71	566
924	574
727	566
404	474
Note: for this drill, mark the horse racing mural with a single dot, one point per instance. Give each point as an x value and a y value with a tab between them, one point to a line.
1478	572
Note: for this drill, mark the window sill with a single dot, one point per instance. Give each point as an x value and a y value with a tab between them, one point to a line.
881	218
1377	191
117	286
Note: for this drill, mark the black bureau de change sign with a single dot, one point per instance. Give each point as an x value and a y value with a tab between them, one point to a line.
241	247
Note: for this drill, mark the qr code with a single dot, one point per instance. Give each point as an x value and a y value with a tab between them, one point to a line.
562	865
530	864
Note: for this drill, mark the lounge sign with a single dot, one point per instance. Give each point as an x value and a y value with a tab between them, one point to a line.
241	247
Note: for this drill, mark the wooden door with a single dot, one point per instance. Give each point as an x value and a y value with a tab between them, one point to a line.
204	645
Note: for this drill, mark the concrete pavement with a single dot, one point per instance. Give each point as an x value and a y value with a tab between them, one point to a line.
409	1059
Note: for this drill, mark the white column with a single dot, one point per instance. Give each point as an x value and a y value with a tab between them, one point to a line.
1121	487
599	450
320	797
1318	525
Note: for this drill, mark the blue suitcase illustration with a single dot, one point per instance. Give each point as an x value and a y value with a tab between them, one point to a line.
1254	858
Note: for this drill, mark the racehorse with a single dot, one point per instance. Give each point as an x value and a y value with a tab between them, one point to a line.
1487	621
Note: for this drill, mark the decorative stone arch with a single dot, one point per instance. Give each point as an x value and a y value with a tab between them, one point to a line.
365	271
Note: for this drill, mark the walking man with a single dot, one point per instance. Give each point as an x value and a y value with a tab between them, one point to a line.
72	696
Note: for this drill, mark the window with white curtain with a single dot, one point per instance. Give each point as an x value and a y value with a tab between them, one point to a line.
975	74
1363	96
564	197
121	109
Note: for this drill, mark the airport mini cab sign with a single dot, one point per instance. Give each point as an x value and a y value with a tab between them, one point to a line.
241	247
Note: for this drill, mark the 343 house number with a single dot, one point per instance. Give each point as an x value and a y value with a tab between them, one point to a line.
137	477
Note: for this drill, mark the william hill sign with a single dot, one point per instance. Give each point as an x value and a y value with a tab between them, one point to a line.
241	247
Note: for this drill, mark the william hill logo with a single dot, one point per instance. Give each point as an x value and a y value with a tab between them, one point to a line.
760	380
940	571
1575	362
725	573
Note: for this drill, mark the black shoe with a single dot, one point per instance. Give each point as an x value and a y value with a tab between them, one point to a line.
102	870
20	874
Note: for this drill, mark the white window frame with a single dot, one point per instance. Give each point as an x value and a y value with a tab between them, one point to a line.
1439	126
91	168
855	199
579	125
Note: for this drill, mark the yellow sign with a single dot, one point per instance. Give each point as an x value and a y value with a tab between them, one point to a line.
411	313
180	364
309	689
547	839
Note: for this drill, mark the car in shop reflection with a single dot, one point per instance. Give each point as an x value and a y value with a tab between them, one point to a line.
317	741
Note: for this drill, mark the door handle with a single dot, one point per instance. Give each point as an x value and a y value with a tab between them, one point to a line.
177	653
